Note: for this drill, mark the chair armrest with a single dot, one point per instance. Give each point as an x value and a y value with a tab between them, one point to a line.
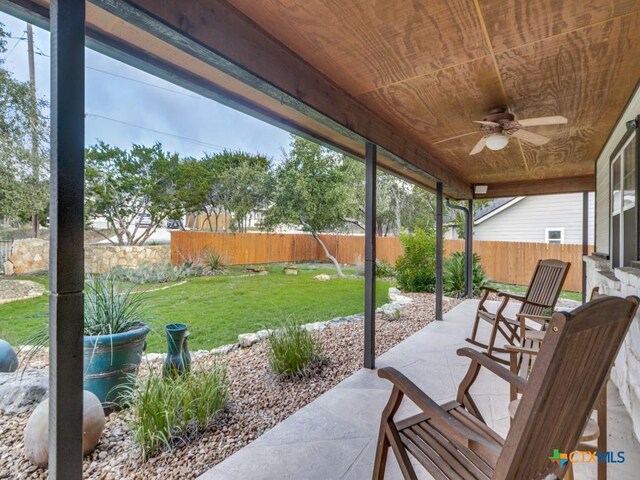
481	359
439	415
512	296
489	289
539	318
515	349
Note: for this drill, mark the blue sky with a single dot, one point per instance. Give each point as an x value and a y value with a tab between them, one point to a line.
145	101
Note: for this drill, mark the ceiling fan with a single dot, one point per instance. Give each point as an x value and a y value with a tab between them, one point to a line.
499	125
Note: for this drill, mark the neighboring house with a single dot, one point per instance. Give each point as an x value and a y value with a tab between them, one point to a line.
539	219
615	267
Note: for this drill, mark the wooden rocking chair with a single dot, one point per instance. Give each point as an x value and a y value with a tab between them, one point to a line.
539	301
452	441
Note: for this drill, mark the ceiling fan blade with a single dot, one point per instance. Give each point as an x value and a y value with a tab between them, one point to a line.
479	146
484	122
554	120
457	136
530	137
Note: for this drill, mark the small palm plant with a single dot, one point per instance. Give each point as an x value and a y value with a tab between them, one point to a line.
454	273
293	350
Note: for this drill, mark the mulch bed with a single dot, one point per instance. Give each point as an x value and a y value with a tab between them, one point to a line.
258	402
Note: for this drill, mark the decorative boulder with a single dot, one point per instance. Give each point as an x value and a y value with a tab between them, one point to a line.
322	277
23	392
8	358
36	433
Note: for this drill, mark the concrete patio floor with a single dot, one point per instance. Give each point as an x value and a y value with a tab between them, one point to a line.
334	437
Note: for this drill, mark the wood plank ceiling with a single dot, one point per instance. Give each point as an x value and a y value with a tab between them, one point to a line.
409	75
431	67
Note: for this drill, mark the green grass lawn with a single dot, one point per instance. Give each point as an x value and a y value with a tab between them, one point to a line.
217	309
521	290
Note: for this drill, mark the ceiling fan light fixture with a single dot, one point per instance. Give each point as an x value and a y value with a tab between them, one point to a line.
497	141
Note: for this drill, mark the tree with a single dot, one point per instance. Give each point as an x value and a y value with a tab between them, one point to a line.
313	191
459	217
123	185
24	148
245	185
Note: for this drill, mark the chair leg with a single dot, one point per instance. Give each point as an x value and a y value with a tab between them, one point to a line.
381	458
602	426
474	332
569	474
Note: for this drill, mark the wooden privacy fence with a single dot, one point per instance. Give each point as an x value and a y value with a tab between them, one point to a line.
250	248
507	262
513	262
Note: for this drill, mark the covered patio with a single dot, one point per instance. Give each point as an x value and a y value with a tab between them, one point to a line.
335	436
398	84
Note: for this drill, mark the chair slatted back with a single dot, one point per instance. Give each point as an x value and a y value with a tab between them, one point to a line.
545	286
572	366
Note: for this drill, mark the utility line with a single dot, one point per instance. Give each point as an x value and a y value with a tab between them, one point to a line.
186	139
41	53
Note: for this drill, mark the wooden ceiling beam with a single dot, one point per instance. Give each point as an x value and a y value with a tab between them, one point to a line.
585	183
215	32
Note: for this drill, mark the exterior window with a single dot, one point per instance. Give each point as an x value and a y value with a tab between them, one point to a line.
554	235
624	242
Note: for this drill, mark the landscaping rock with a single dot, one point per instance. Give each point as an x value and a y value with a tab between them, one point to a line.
247	339
22	392
322	277
36	432
8	269
224	349
8	357
395	296
291	271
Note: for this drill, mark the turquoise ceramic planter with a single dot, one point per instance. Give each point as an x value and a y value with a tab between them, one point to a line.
110	361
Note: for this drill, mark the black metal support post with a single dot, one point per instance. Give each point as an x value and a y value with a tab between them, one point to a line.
370	257
468	246
468	251
585	242
439	251
66	264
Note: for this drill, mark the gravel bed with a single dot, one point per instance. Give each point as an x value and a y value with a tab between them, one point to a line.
258	402
12	290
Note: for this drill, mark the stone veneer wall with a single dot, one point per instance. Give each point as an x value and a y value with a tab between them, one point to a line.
32	255
621	282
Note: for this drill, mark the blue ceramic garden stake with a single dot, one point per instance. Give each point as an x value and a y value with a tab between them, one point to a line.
178	359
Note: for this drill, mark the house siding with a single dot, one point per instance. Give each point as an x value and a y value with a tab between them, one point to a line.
619	281
526	220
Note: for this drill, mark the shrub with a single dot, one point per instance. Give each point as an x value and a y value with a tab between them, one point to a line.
383	269
453	274
165	412
293	350
416	269
156	273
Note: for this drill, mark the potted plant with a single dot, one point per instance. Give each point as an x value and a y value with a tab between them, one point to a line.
114	338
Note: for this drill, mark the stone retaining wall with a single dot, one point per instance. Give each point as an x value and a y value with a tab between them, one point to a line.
32	255
621	282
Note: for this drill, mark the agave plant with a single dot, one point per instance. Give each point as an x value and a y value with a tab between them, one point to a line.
110	308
